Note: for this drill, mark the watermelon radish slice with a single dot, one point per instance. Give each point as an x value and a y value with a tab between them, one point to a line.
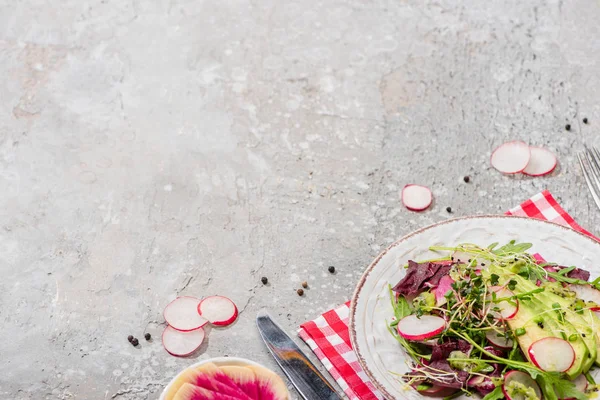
498	340
552	354
586	293
428	326
270	385
207	376
416	197
244	378
519	378
182	314
508	309
179	343
218	310
511	157
191	392
542	162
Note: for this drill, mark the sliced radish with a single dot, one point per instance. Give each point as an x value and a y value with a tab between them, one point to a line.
218	310
511	157
515	378
179	343
542	162
586	293
416	197
182	314
440	292
498	340
552	354
508	309
596	311
438	391
428	326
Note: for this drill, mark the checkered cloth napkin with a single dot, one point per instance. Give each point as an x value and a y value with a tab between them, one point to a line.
328	335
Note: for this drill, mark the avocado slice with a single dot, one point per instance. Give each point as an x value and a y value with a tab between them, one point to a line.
571	322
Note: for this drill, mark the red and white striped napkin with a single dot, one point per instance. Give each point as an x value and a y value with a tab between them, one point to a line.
328	335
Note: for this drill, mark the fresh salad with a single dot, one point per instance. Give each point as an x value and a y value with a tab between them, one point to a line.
499	322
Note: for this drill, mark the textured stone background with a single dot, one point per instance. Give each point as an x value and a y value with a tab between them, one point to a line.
156	148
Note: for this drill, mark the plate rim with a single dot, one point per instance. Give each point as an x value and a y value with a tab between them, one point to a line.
365	275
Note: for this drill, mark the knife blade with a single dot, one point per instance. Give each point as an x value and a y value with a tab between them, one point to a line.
305	377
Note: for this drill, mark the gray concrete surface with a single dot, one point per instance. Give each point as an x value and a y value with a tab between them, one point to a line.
156	148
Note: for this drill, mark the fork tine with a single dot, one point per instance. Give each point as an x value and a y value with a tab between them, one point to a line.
595	167
588	180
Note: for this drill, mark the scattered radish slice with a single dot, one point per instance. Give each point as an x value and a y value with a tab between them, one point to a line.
180	343
218	310
511	157
507	309
416	197
542	162
552	354
428	326
522	378
182	314
586	293
498	340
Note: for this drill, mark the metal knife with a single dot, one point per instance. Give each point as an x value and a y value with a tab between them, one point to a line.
305	377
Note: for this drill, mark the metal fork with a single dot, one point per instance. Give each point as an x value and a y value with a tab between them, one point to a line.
590	165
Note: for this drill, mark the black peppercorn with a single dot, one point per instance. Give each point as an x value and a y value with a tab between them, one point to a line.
449	209
466	179
130	338
585	120
147	336
264	280
300	292
568	127
331	269
134	342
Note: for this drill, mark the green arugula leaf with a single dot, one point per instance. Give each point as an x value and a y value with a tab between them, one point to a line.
400	305
495	394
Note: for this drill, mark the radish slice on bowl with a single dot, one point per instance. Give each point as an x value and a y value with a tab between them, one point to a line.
498	340
180	343
552	354
508	309
580	383
428	326
218	310
182	314
542	162
416	197
440	292
517	379
511	157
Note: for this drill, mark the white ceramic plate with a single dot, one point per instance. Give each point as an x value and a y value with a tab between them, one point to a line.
378	352
218	361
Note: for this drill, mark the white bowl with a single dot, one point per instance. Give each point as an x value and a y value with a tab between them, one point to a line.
378	352
218	361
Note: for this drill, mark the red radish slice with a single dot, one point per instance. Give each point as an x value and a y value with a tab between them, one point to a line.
596	311
182	314
180	343
552	354
522	378
218	310
440	292
511	157
542	162
498	340
581	383
416	197
586	293
428	326
507	309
